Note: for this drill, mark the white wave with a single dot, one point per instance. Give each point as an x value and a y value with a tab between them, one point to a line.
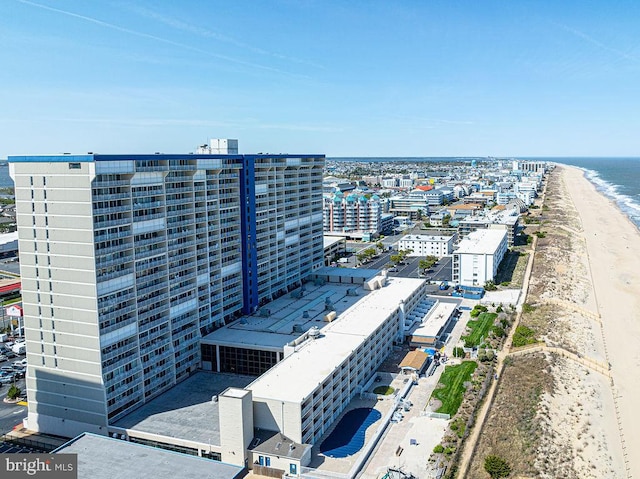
628	205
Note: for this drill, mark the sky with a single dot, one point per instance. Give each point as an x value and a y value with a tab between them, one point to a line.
341	78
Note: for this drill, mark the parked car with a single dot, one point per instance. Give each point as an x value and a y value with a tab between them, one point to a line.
10	354
3	357
7	369
22	363
7	379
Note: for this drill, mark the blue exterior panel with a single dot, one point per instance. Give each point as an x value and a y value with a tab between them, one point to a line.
248	224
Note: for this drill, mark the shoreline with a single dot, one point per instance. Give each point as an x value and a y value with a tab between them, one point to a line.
599	189
610	239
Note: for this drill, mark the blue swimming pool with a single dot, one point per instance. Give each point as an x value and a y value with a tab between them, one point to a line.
349	434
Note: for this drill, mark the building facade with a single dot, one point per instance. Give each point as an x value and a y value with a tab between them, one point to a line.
352	215
478	256
127	260
427	245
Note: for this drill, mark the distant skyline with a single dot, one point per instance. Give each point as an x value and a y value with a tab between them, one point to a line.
343	78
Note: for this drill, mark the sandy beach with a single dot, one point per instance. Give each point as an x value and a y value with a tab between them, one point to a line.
566	405
613	243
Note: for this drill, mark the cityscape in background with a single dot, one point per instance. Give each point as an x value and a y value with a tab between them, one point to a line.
261	312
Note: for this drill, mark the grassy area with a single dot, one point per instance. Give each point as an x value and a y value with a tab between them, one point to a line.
385	390
523	335
479	329
453	379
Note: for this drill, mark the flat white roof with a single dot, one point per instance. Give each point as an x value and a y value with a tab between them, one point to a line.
435	320
273	332
295	377
331	240
8	237
484	241
425	238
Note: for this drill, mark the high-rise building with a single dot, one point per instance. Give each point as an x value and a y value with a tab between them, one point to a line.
127	260
352	215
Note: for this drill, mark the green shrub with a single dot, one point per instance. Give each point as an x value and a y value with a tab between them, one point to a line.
458	352
496	467
499	309
439	449
498	331
528	308
14	392
523	336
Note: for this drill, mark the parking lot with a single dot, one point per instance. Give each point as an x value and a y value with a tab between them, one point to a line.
11	374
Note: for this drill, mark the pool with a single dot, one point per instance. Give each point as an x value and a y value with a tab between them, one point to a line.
349	434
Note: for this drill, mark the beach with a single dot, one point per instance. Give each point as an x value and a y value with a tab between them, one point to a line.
565	404
612	243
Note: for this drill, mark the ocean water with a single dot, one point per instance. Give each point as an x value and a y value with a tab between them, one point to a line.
616	178
5	179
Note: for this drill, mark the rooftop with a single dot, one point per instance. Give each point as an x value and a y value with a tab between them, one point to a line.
435	320
315	359
186	411
484	241
101	457
425	238
282	320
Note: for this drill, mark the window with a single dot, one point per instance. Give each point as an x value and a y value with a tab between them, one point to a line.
74	166
293	469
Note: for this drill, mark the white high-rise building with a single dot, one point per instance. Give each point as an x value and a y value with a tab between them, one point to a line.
127	260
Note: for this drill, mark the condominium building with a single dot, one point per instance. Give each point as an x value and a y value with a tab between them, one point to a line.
128	260
427	245
478	256
352	215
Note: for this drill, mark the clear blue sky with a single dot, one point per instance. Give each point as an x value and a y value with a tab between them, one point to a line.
344	78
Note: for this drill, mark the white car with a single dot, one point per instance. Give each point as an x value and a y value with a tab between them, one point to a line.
22	363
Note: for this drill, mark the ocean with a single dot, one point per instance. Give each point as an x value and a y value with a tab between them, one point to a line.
5	179
617	178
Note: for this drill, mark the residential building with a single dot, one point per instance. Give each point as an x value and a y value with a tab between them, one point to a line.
427	245
127	260
505	219
353	215
477	257
414	205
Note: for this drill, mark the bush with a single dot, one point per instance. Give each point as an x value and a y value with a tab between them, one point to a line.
14	392
523	336
496	467
499	309
528	308
458	352
490	355
498	331
439	449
